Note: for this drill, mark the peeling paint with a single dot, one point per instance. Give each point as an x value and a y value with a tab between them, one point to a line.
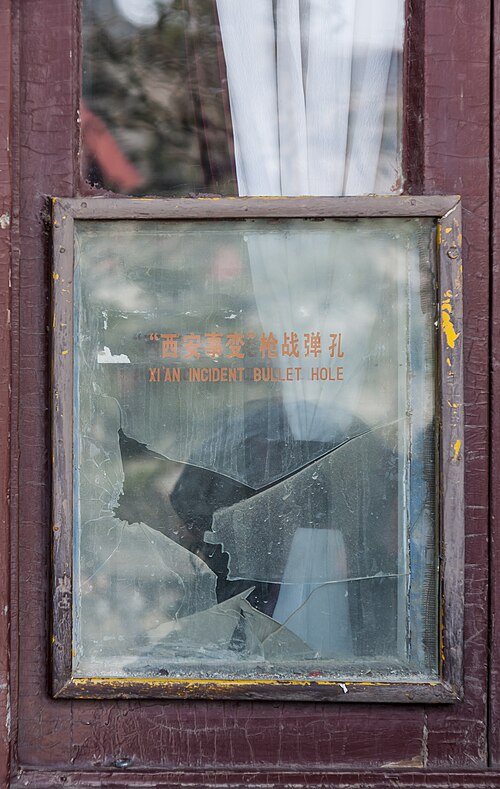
456	448
415	762
446	322
193	686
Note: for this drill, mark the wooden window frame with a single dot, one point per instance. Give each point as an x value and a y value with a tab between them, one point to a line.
449	389
45	742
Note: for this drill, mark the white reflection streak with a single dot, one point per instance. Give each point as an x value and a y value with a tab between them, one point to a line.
170	570
98	569
340	581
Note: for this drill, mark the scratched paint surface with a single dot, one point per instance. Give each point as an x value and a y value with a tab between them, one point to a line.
271	738
494	732
456	157
5	245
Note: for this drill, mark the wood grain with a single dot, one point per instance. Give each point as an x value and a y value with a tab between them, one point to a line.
5	359
456	123
494	707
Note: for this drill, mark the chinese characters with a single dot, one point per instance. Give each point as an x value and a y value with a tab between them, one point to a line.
238	345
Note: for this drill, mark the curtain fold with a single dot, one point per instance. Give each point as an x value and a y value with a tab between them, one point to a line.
308	85
249	42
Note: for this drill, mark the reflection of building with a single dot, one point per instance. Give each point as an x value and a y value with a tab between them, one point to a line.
160	90
102	158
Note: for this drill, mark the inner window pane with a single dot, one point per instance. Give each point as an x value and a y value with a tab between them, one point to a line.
254	449
248	97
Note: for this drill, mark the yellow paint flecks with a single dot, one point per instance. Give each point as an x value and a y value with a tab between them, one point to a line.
439	235
448	362
456	448
449	330
63	353
446	322
441	635
220	684
55	275
448	230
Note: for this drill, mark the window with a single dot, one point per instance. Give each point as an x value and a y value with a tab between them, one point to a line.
250	392
259	492
269	97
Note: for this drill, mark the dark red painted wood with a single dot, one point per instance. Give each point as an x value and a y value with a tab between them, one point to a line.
413	94
456	151
264	737
494	717
408	779
47	137
5	215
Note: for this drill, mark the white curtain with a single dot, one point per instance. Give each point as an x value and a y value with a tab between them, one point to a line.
309	83
313	88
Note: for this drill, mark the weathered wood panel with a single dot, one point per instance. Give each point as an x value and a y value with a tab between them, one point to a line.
494	718
46	129
270	738
456	151
5	221
409	779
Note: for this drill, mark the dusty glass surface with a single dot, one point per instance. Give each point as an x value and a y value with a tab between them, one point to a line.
249	97
254	449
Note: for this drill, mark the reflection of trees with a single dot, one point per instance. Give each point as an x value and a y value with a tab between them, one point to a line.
160	93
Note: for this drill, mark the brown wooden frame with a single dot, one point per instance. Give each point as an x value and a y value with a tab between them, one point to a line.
48	742
447	211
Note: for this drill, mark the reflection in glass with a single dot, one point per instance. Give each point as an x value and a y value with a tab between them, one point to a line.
254	493
268	97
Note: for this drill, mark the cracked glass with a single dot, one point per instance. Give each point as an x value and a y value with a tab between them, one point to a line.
255	457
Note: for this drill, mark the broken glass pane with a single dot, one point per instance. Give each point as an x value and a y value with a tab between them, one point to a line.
300	529
254	484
